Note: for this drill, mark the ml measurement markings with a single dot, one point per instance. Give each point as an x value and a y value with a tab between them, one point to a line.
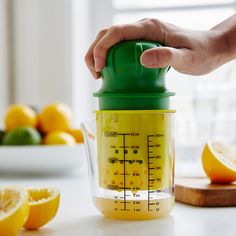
152	150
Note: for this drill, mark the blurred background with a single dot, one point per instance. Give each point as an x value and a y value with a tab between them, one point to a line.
43	42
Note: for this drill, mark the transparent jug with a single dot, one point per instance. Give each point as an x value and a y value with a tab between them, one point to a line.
131	162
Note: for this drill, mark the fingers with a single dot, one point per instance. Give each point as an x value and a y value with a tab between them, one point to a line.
180	59
147	29
89	58
114	35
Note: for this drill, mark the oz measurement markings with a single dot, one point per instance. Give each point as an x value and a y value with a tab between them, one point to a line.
125	202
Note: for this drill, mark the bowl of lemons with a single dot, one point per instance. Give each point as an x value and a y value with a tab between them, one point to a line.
40	141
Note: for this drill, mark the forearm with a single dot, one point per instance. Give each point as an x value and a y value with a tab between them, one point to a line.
226	32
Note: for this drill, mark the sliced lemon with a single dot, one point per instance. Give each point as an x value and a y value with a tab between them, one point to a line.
219	162
44	204
14	210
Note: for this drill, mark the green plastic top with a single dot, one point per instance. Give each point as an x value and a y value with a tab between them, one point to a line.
127	85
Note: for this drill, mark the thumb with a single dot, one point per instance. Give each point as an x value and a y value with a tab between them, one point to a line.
165	56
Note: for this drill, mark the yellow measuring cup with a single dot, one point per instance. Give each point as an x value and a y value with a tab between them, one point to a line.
134	163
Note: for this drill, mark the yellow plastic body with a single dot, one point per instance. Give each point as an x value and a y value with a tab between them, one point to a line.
135	155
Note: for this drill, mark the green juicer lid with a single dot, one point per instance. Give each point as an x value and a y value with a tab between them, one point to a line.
127	85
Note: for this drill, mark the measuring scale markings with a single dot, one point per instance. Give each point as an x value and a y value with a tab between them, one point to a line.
125	188
152	168
124	161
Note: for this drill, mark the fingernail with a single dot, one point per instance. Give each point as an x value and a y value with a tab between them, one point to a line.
148	59
96	75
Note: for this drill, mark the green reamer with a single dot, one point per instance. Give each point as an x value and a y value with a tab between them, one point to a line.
127	85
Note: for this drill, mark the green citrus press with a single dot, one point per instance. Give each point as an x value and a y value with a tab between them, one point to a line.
127	85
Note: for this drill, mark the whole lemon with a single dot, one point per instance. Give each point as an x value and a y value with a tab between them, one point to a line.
18	115
59	137
55	117
22	136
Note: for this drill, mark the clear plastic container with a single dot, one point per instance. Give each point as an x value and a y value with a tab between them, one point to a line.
131	162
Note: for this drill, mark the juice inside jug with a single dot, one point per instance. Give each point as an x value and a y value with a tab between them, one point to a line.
137	210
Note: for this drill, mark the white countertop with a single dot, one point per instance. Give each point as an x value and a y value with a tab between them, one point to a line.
78	216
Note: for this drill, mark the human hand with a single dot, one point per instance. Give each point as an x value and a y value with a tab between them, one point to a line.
187	51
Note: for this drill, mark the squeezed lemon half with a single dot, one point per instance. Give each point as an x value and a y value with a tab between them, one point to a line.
14	210
44	204
219	162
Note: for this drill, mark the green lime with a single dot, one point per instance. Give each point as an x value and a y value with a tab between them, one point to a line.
2	134
22	136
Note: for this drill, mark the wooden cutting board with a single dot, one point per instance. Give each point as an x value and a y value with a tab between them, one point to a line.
200	192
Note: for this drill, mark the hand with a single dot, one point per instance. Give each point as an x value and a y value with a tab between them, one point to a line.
187	51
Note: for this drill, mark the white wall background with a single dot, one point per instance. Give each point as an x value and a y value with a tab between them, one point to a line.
83	83
42	51
47	43
3	56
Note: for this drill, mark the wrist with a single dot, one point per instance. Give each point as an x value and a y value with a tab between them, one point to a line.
219	47
226	36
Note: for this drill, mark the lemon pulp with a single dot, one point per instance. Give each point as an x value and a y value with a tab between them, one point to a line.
14	210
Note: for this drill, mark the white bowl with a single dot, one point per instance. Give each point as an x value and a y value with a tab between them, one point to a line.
56	159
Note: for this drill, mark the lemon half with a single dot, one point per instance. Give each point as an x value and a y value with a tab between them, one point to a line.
44	204
14	210
219	162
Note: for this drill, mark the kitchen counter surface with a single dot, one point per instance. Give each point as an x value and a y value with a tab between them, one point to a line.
78	216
